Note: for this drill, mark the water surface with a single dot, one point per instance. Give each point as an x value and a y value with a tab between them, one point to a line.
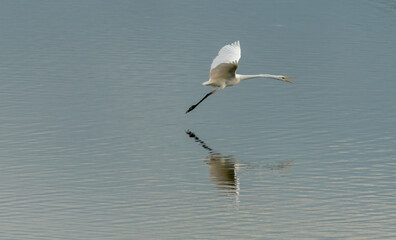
95	144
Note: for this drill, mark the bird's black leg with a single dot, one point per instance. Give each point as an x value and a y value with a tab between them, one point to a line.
194	106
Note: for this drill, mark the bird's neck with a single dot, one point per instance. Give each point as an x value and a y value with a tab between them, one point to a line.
246	77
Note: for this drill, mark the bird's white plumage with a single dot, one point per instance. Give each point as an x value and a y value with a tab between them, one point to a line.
223	71
230	53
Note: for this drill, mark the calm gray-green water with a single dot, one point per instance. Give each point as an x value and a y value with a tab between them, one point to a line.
95	142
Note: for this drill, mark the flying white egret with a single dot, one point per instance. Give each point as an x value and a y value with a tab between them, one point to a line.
222	71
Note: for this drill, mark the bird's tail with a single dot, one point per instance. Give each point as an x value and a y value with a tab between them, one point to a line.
206	83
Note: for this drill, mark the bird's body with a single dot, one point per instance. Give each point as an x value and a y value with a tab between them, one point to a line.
223	71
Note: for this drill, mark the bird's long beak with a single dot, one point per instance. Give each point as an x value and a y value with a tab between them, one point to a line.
285	79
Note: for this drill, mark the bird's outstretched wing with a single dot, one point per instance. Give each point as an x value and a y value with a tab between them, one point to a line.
230	53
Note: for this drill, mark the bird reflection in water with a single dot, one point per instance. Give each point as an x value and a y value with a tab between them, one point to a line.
222	169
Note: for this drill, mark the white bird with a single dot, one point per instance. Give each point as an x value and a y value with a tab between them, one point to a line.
222	71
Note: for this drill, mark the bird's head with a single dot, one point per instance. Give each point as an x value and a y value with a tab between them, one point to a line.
283	78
